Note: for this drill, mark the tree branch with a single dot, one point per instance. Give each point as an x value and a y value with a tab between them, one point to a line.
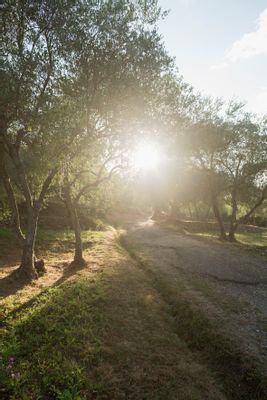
258	203
14	154
45	186
96	183
13	205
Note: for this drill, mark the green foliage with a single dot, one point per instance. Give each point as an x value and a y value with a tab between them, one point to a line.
49	346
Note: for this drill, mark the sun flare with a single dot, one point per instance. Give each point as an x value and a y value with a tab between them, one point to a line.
146	157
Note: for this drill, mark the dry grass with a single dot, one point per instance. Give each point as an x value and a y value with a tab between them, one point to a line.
102	332
57	254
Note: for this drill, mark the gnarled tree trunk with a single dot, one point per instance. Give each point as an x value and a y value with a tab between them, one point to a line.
231	234
75	223
27	267
13	205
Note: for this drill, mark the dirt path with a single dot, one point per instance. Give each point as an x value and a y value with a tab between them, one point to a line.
227	281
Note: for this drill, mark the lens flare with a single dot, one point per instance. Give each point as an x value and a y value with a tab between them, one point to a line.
146	157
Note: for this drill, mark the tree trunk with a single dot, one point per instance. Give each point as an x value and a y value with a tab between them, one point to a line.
72	207
28	263
13	206
68	209
218	217
27	267
232	231
78	255
233	224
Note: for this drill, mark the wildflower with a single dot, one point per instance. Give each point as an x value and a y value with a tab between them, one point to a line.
11	362
15	376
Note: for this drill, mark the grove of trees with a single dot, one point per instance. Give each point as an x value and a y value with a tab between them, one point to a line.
81	82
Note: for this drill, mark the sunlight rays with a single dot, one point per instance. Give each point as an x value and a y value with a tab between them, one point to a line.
147	156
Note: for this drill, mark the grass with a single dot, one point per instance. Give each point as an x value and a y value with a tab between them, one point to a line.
51	245
97	335
52	328
256	242
53	234
253	239
51	347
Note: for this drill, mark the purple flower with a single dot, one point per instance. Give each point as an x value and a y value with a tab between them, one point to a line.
11	362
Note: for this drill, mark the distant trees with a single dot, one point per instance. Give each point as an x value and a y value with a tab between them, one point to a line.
244	164
227	150
215	156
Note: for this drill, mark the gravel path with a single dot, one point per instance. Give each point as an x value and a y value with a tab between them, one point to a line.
230	271
245	273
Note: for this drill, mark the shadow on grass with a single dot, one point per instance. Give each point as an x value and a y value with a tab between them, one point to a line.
69	271
10	284
51	346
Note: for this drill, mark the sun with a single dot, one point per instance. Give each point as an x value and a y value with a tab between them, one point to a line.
146	157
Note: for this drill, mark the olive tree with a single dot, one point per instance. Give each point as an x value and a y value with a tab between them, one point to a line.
244	163
51	50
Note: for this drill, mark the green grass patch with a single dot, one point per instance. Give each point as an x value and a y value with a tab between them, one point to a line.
50	347
52	234
254	239
256	242
66	234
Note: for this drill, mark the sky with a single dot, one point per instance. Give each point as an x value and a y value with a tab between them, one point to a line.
220	47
